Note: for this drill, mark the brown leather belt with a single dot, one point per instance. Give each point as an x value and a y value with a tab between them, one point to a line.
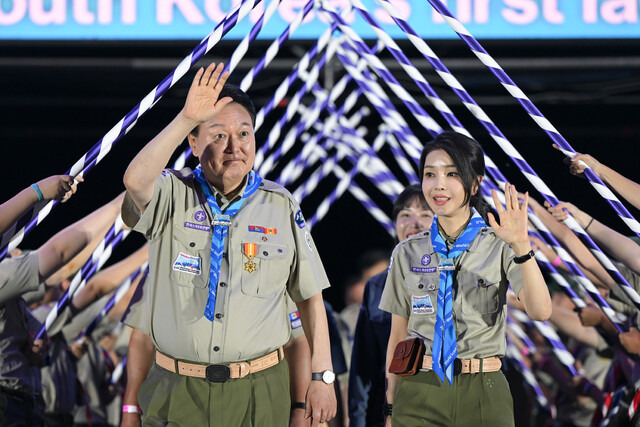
219	373
468	366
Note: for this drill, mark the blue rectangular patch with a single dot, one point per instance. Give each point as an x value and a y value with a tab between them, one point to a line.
421	305
200	227
295	320
188	264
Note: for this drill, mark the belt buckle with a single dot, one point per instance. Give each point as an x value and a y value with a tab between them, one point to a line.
218	373
457	366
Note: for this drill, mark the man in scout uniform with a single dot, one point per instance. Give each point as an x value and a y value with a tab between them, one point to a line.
225	246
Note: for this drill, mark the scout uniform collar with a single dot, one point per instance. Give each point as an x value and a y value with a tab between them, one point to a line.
221	223
445	346
451	240
222	200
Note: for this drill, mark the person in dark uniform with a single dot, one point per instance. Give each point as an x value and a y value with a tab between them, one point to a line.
411	215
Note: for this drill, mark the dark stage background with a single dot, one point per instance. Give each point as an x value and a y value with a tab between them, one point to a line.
57	99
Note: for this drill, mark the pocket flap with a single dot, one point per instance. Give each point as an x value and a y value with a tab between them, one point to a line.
194	240
404	349
271	251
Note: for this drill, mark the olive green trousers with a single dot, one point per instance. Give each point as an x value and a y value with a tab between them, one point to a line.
476	400
260	399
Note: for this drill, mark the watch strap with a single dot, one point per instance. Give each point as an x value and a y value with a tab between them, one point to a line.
298	405
525	257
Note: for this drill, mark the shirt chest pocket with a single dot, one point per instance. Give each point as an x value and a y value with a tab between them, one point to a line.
265	274
190	250
481	292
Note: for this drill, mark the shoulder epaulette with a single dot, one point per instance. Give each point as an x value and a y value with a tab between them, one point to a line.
184	173
277	188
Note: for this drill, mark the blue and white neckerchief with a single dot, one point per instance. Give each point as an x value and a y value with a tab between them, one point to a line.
221	223
445	345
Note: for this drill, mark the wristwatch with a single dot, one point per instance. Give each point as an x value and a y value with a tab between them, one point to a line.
327	377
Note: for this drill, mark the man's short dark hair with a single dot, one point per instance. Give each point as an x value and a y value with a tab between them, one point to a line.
239	97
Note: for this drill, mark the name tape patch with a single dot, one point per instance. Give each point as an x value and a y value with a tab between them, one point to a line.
423	269
199	227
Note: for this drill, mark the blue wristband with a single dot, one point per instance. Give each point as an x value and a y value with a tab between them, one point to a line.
38	192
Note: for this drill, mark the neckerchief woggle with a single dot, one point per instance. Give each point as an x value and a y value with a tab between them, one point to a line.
445	345
221	223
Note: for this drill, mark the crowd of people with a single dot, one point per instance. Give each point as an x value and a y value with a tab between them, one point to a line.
219	318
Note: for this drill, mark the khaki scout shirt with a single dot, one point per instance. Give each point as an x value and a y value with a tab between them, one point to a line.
18	276
251	315
135	314
620	302
618	299
16	323
480	284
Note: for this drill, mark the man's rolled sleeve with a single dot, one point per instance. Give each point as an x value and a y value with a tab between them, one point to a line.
138	312
307	277
150	223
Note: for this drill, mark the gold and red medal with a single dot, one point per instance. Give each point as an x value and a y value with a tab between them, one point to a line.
250	250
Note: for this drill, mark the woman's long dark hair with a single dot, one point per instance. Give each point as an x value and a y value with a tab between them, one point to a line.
468	158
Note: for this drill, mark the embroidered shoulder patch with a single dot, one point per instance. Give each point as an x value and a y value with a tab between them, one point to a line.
188	264
421	305
299	219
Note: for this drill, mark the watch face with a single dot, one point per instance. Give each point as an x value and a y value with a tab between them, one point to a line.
328	377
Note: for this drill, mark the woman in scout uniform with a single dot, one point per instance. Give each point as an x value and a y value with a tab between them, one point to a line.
448	287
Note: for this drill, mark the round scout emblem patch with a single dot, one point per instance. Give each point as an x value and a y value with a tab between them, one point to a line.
200	216
426	259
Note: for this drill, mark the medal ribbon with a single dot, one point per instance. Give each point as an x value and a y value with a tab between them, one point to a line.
220	231
250	249
445	345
